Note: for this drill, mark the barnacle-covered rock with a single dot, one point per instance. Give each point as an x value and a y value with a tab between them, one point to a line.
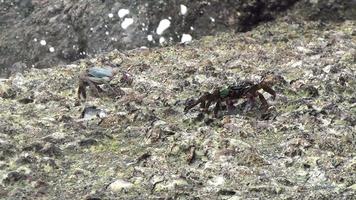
142	144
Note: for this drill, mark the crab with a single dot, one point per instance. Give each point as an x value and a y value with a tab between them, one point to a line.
245	89
95	76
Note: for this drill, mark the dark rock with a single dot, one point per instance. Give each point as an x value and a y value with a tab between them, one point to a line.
88	142
57	137
65	119
51	150
76	29
13	177
226	192
6	149
91	197
26	100
91	112
26	159
311	90
46	161
35	146
17	67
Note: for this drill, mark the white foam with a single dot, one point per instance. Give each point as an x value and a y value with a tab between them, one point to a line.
123	12
126	23
150	38
163	25
186	38
51	49
43	42
183	9
162	40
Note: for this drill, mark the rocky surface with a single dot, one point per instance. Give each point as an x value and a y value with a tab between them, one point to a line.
45	33
144	146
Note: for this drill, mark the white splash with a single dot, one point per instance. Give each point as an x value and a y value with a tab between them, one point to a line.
212	19
43	42
186	38
51	49
111	15
162	26
183	9
150	38
35	40
123	12
192	28
107	33
126	23
162	40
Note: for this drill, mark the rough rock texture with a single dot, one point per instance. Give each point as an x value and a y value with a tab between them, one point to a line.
145	147
75	29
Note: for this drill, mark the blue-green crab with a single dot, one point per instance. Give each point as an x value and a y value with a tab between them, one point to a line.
95	76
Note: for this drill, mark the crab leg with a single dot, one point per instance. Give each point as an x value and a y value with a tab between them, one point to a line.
269	90
263	100
217	108
111	88
95	88
230	105
81	90
191	105
200	101
207	105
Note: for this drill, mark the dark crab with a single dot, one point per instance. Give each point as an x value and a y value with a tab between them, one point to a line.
245	89
94	77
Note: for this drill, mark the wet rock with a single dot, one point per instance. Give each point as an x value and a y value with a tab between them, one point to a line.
310	90
171	185
216	181
303	150
352	187
92	112
266	189
119	185
51	150
84	22
304	50
47	161
87	142
56	137
35	146
26	158
6	149
3	165
93	197
13	177
226	192
18	67
26	100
